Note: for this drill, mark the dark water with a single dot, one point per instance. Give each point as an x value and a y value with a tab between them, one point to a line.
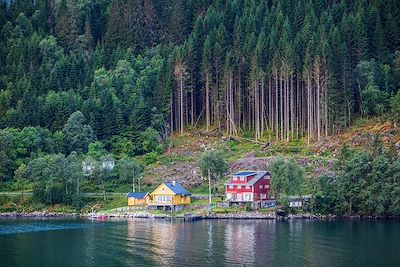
203	243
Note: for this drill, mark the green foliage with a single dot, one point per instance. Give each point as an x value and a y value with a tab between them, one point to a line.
149	158
366	183
129	169
148	141
287	177
86	70
396	107
51	178
213	161
360	122
77	134
375	101
96	150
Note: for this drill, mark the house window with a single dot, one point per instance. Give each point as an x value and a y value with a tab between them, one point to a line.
163	199
239	187
234	178
230	186
260	186
248	197
266	186
266	177
241	178
263	196
247	186
228	196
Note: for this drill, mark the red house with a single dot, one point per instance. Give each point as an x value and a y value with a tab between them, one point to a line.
248	186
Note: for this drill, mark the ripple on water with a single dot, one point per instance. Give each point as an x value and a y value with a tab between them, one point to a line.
30	227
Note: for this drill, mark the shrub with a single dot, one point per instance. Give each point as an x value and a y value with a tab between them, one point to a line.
396	107
150	158
149	141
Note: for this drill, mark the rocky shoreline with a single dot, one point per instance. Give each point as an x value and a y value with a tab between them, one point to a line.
241	215
38	214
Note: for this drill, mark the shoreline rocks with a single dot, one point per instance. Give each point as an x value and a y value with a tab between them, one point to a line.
240	215
37	214
243	215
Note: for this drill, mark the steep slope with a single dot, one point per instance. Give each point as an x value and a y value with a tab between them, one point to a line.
180	162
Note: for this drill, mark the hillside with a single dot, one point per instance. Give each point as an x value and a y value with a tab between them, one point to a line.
180	162
97	93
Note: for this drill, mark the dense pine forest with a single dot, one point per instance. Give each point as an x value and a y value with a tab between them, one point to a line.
99	77
281	69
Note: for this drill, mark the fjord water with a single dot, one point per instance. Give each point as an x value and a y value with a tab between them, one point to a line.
202	243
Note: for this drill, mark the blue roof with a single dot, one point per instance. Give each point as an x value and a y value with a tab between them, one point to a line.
244	173
178	189
139	195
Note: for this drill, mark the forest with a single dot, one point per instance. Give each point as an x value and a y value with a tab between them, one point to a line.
120	76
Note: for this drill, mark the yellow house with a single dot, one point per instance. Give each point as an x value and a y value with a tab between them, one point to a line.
138	199
170	195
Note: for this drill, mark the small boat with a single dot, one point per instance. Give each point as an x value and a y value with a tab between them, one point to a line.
100	217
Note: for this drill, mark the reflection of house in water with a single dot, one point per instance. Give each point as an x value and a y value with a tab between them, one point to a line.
157	236
163	240
136	233
240	243
247	242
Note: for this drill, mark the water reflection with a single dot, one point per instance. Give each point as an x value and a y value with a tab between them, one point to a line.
240	243
210	243
156	238
204	243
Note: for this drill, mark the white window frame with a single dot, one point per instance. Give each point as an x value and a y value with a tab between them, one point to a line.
241	178
231	186
260	186
239	187
247	186
163	198
266	186
248	197
234	178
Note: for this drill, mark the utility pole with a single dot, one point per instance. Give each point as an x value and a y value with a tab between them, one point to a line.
133	181
77	191
139	180
209	188
77	185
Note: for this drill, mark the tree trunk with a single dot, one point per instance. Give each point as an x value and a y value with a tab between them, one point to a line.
207	102
181	109
262	108
276	106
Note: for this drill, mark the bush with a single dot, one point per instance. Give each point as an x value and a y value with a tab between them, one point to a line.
360	122
150	158
50	193
248	207
149	141
396	107
375	100
4	200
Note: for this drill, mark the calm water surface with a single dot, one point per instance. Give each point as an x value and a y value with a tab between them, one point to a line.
203	243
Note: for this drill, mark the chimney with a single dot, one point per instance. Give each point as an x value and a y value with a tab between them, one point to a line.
173	183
